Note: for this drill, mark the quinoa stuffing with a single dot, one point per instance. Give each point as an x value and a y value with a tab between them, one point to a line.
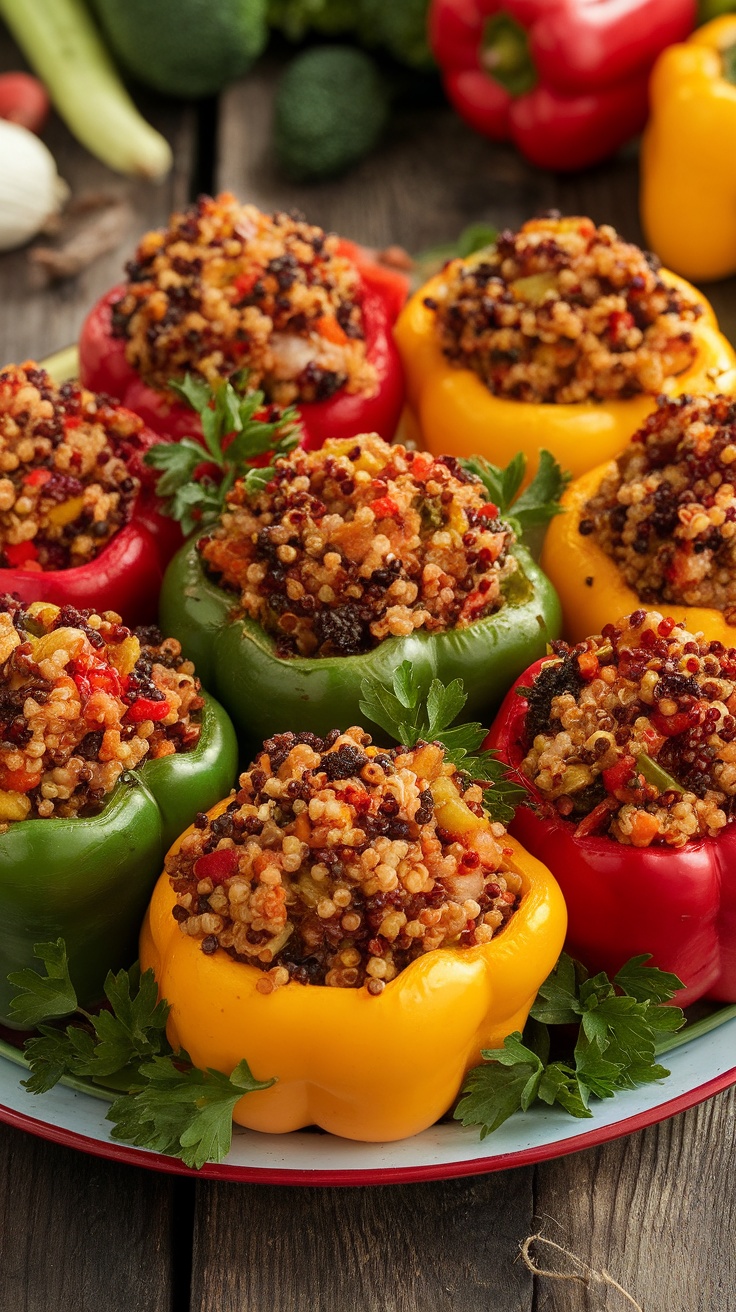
358	542
633	734
226	287
66	485
562	311
329	865
82	698
667	512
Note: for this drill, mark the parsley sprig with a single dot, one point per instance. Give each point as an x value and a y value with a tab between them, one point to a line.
621	1024
165	1103
409	713
227	410
537	504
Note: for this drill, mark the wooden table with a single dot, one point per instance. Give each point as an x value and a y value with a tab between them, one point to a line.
657	1210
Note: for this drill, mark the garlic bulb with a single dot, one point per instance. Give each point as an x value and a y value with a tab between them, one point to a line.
30	188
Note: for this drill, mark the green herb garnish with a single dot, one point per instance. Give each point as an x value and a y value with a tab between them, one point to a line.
227	410
409	714
620	1024
538	503
165	1103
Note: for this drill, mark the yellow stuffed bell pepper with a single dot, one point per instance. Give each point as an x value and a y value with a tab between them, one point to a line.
373	1068
454	413
688	167
591	588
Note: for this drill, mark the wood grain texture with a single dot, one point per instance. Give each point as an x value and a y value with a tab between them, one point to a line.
411	1248
657	1210
34	323
81	1235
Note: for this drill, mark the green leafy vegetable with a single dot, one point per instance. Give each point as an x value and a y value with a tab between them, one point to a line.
43	997
166	1104
537	504
226	411
476	237
620	1023
407	713
183	1113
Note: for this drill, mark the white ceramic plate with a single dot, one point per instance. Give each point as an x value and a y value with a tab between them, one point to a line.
73	1116
699	1069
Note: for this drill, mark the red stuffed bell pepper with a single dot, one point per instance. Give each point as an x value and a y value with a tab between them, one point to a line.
227	288
565	80
79	519
626	746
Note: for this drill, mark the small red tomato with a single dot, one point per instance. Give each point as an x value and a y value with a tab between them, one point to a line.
23	100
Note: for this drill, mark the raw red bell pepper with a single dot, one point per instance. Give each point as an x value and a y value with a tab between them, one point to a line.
126	575
679	904
565	80
104	368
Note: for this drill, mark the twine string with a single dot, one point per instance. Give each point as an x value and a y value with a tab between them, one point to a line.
585	1274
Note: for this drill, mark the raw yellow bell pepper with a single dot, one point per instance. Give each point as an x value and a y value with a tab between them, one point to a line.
590	585
369	1068
688	166
456	414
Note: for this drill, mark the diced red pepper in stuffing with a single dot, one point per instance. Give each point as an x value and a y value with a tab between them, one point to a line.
217	866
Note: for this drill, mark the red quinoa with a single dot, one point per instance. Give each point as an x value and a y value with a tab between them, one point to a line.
226	287
562	311
633	733
362	541
83	698
65	483
329	865
667	514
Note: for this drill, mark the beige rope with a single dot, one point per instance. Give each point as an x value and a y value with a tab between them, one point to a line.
585	1274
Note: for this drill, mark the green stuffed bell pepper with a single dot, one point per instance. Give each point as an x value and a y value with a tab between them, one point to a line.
365	555
108	748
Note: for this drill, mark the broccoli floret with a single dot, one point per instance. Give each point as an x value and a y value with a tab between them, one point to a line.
398	25
185	47
331	107
297	17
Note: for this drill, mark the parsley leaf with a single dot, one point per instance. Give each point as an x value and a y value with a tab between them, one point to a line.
226	411
43	997
537	504
166	1104
408	714
618	1032
183	1113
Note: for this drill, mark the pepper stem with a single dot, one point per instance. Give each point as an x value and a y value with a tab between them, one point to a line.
728	63
505	55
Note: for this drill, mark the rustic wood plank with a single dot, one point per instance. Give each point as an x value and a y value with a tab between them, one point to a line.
412	1248
78	1234
34	322
656	1210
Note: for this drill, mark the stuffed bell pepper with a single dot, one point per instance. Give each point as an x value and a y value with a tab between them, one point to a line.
107	746
79	520
626	744
656	527
353	925
346	562
562	335
565	80
226	289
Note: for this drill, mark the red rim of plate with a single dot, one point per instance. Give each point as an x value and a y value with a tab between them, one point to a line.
387	1175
